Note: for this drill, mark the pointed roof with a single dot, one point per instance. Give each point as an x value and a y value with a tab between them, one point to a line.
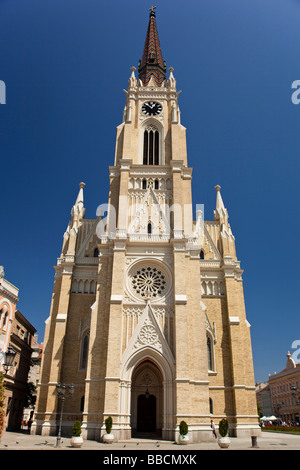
78	208
152	63
220	212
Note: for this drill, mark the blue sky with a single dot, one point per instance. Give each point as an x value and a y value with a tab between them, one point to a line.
65	64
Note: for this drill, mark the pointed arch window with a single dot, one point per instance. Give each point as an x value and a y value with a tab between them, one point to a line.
82	404
84	351
149	228
5	318
209	354
151	146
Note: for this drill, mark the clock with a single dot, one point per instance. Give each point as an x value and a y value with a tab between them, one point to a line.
151	108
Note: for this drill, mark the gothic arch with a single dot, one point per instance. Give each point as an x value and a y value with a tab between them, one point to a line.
167	371
146	398
7	313
156	125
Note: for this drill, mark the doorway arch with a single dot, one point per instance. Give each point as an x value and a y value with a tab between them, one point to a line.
165	365
146	400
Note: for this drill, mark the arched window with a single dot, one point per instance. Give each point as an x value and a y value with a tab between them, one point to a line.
149	228
84	351
211	406
151	146
209	354
96	253
82	404
201	254
144	184
156	184
4	324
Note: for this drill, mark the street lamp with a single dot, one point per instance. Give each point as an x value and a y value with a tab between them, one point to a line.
63	391
9	358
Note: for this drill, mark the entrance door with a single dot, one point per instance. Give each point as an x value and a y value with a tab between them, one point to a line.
146	413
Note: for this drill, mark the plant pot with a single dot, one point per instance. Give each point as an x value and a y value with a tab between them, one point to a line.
183	439
224	442
76	441
108	438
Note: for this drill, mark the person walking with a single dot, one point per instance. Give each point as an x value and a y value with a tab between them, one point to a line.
213	427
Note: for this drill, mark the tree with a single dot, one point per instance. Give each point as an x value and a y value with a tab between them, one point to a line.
259	410
2	400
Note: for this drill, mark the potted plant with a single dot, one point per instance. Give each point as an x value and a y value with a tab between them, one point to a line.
108	437
76	440
224	440
183	433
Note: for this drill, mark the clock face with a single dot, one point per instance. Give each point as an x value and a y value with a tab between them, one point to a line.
151	108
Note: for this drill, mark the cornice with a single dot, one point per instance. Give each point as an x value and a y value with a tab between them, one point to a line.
144	93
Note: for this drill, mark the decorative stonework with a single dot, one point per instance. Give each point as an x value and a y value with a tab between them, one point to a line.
148	336
148	283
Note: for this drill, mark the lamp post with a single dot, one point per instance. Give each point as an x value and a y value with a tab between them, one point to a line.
9	359
63	391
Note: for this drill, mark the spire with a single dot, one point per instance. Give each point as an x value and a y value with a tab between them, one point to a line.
221	212
78	208
221	215
152	62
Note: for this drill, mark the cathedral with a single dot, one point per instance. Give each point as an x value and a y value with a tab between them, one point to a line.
147	317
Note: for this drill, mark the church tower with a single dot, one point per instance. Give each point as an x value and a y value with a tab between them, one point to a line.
147	317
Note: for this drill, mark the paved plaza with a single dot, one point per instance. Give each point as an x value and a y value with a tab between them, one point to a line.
268	441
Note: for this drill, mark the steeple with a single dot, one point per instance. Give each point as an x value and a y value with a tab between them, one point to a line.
78	208
77	214
221	212
152	62
221	215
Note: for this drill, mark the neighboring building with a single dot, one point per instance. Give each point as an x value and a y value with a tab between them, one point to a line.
285	392
16	333
8	301
33	378
17	375
36	361
148	317
263	396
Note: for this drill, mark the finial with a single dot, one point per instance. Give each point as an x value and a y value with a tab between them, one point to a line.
217	188
81	185
152	12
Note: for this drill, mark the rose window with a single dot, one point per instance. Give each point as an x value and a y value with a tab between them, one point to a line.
149	282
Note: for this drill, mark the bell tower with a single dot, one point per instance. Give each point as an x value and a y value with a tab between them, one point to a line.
149	226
